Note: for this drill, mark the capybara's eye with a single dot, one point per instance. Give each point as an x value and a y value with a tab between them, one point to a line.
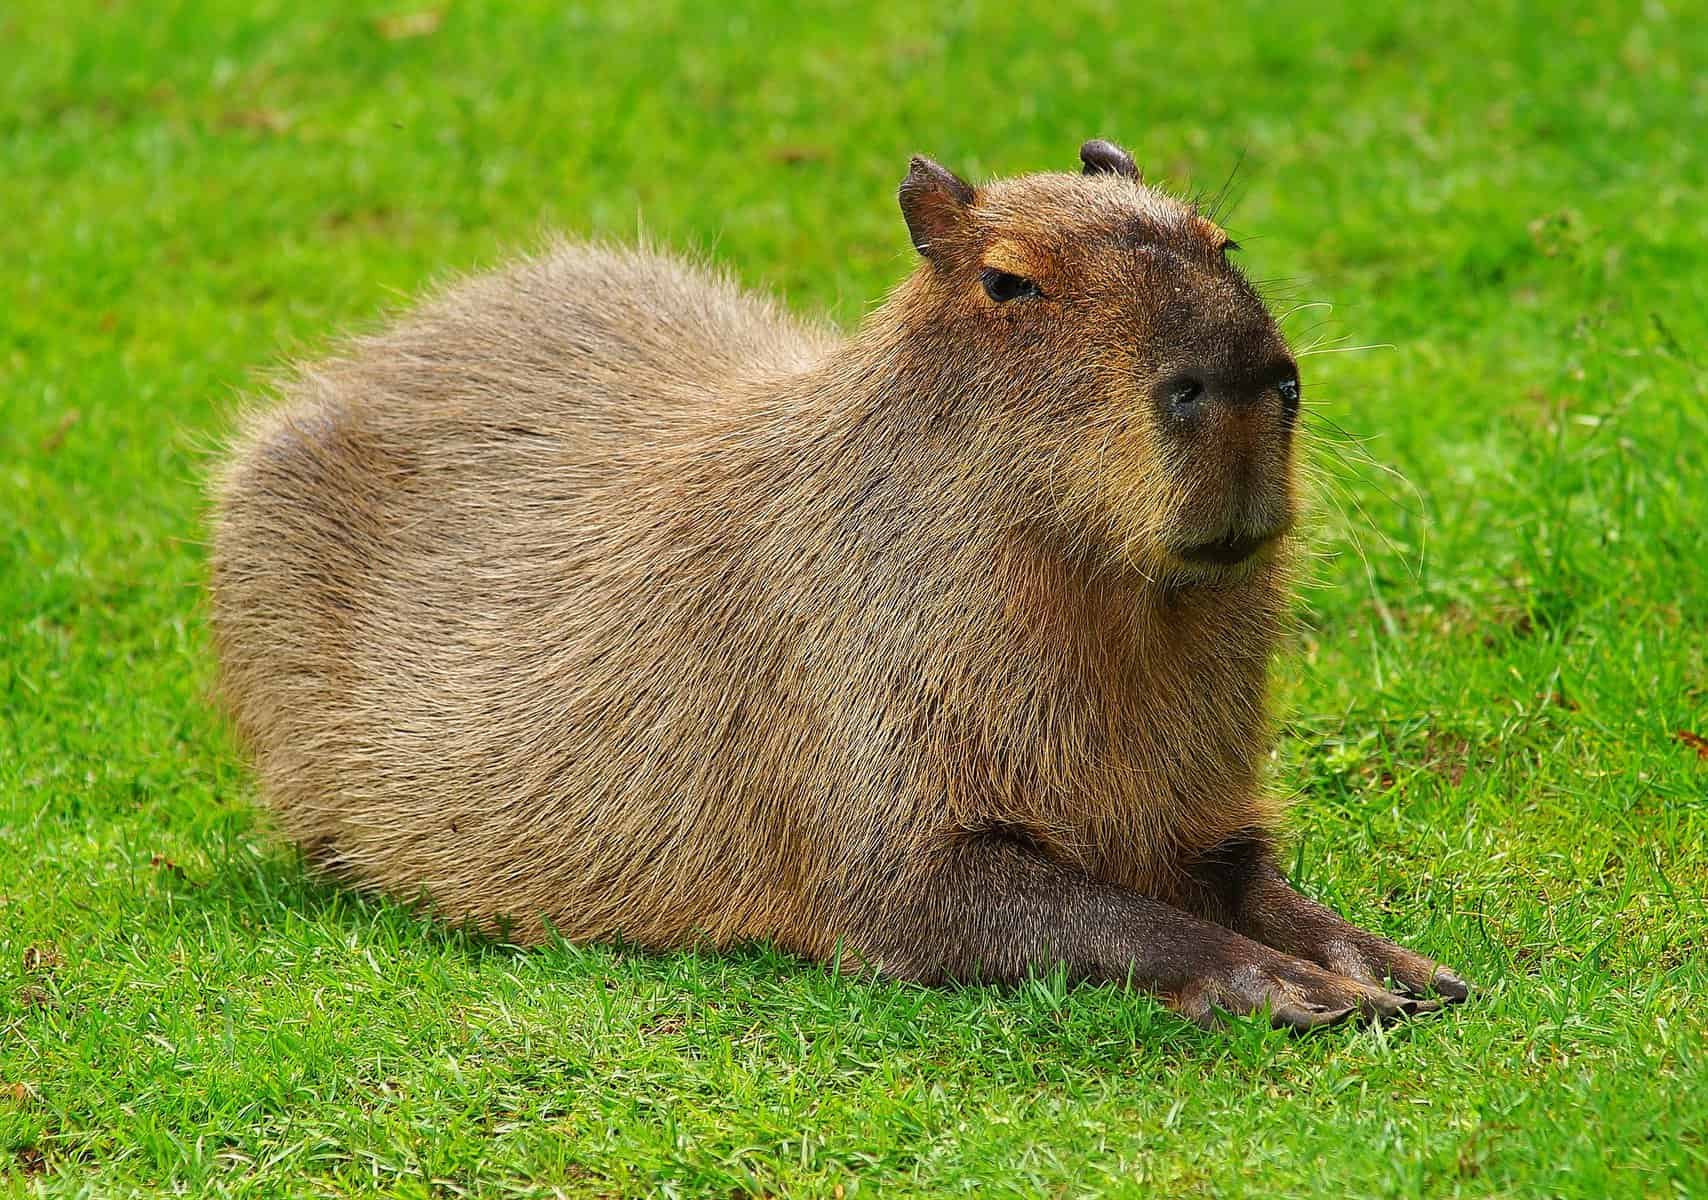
1003	287
1289	389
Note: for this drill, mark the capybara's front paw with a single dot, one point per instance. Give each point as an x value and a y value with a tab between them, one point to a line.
1363	956
1297	995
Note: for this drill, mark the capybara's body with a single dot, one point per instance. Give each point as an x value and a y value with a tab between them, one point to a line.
598	596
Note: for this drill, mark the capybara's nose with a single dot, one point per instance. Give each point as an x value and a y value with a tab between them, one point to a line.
1184	402
1186	399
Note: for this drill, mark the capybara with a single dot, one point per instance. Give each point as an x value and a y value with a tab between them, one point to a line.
600	598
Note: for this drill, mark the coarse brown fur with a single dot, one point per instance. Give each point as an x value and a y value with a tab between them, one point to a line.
600	595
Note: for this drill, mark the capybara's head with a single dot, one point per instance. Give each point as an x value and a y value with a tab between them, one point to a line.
1115	357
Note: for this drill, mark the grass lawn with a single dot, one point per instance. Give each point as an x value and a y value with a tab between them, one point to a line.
1507	628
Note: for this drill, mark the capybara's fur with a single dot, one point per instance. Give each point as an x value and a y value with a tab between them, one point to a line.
602	597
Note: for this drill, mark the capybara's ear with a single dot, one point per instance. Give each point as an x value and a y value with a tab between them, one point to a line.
934	200
1106	158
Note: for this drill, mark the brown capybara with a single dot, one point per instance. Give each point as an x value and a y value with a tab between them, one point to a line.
602	598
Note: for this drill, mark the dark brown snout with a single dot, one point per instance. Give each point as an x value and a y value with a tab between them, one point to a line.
1230	416
1187	401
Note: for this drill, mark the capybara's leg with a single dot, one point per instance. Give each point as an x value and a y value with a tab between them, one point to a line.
991	908
1238	885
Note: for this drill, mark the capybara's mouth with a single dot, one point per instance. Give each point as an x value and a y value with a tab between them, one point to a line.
1227	551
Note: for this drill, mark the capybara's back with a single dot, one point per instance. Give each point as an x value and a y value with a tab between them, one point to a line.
453	582
599	597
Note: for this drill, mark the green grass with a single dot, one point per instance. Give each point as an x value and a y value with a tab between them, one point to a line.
1480	719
